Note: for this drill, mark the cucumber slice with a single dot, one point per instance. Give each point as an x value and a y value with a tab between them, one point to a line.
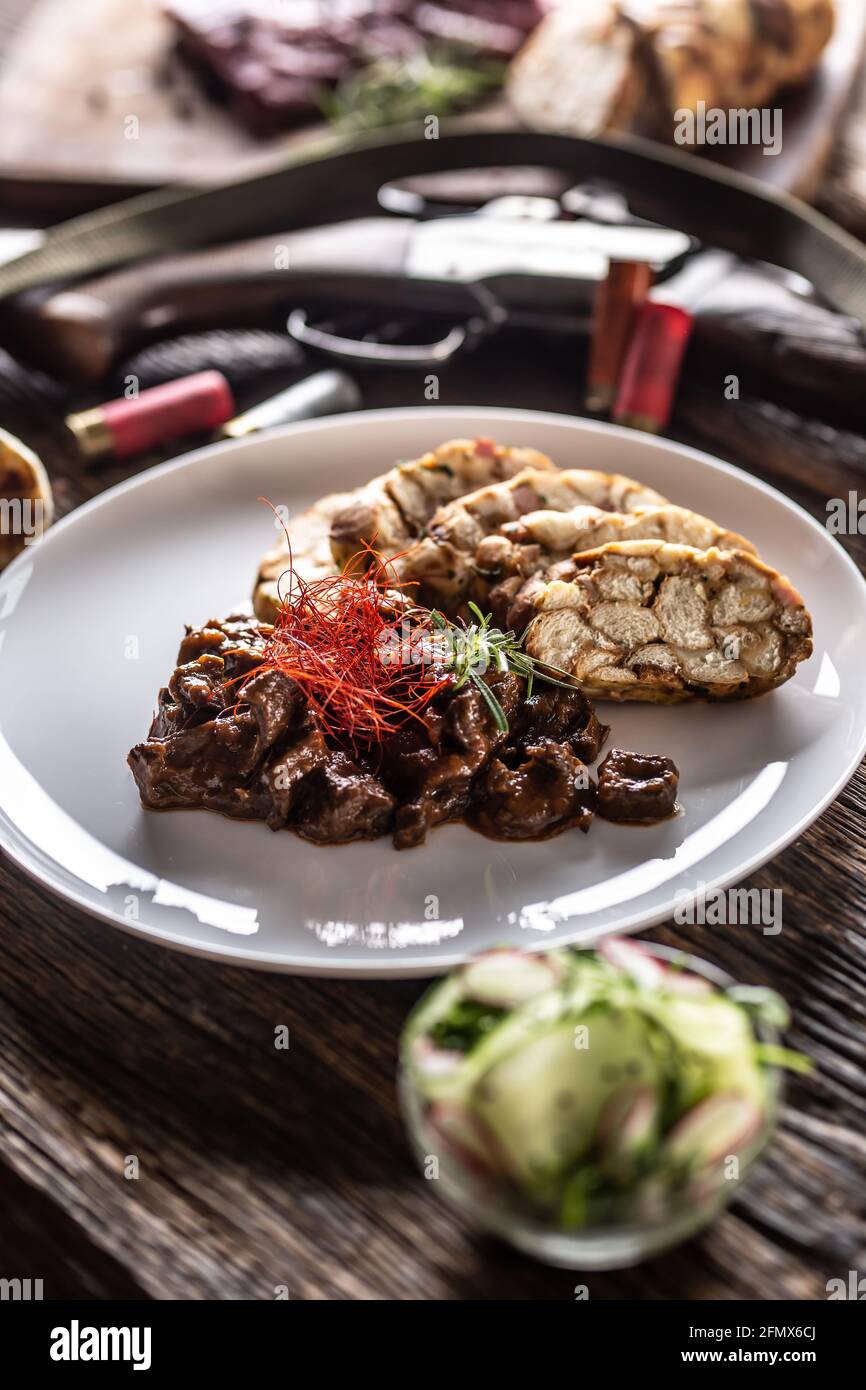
717	1045
435	1071
442	1057
708	1024
507	978
542	1100
762	1003
435	1004
456	1083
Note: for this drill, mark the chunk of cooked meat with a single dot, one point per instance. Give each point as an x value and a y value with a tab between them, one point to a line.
636	786
435	777
254	753
645	620
233	735
443	563
563	715
542	791
342	802
390	511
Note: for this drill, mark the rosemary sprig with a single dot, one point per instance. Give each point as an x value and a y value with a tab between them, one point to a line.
474	648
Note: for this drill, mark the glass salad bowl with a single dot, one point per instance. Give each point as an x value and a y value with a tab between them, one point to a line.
593	1107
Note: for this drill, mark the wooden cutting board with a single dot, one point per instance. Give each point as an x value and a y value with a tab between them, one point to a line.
93	91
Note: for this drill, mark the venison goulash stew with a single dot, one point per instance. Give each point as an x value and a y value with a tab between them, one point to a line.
235	734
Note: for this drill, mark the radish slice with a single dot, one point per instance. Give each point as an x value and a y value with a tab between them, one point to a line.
634	960
721	1125
506	978
463	1135
627	1121
432	1060
684	983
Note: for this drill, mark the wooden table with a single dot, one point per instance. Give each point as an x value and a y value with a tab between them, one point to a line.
260	1170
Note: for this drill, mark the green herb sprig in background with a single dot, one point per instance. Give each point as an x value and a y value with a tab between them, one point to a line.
436	81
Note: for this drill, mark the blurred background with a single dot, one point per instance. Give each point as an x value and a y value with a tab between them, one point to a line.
101	100
101	92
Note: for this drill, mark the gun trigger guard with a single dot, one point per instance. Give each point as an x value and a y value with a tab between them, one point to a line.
460	338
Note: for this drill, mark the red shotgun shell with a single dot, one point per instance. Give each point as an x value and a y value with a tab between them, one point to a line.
617	300
652	366
133	425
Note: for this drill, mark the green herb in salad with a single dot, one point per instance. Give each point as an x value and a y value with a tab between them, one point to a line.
465	1025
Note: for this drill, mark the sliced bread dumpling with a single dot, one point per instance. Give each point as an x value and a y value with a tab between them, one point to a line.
514	561
596	66
444	563
557	534
651	620
310	534
389	512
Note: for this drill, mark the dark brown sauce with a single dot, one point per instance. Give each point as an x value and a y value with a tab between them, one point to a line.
466	821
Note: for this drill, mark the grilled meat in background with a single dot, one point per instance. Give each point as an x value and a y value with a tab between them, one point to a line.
364	62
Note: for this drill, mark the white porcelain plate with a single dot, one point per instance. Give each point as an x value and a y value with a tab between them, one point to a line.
90	620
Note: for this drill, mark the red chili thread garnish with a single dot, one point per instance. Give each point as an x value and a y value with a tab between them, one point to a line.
363	674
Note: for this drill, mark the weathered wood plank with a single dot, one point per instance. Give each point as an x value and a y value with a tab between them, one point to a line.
260	1167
